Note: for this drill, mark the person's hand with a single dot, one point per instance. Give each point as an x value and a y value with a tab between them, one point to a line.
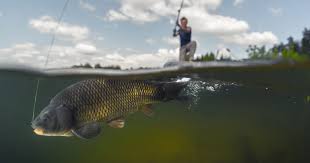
174	32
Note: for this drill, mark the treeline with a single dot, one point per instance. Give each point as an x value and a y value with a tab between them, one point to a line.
113	67
97	66
293	49
211	56
206	58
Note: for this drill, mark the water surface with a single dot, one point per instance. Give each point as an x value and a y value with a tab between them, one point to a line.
252	117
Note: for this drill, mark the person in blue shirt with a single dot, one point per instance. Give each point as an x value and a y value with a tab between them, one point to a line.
188	47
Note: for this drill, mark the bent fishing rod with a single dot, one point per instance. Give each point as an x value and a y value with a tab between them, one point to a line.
178	17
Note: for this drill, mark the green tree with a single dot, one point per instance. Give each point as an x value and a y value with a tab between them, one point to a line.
207	57
256	52
98	66
306	42
275	52
293	45
87	65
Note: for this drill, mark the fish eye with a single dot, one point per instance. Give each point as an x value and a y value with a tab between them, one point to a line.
46	118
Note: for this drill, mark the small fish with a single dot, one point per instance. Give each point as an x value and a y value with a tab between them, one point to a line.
78	109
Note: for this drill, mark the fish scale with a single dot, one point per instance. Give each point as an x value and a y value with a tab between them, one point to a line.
105	100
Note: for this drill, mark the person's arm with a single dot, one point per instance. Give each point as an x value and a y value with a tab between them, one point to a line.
175	31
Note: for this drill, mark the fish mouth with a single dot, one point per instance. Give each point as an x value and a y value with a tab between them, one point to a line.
39	131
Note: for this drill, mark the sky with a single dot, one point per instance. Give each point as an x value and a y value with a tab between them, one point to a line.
138	33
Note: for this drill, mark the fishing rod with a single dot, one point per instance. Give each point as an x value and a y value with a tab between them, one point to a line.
178	17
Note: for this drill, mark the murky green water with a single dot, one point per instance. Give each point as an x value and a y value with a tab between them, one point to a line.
246	123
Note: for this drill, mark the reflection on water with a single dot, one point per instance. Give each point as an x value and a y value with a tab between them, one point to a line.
229	122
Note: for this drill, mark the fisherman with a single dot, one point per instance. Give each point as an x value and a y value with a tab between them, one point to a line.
187	47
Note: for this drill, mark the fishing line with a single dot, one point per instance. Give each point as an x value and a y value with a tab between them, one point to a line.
49	53
35	99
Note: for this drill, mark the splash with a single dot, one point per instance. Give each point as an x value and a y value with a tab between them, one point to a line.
196	87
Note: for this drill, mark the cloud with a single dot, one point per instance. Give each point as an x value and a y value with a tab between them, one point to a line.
21	53
153	10
276	11
201	17
116	16
224	53
203	22
150	41
1	14
85	48
66	31
238	2
255	38
196	10
23	50
137	60
81	53
100	38
31	54
173	41
87	6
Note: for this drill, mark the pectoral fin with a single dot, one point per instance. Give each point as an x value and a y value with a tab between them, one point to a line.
147	110
117	123
87	131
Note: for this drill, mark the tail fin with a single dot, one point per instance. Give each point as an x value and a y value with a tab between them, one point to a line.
172	91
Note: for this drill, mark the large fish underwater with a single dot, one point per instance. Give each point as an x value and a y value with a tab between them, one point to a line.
79	109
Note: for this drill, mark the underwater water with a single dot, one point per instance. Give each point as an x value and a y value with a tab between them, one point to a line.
243	119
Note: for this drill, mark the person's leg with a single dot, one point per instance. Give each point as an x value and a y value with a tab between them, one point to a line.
192	50
183	54
187	57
